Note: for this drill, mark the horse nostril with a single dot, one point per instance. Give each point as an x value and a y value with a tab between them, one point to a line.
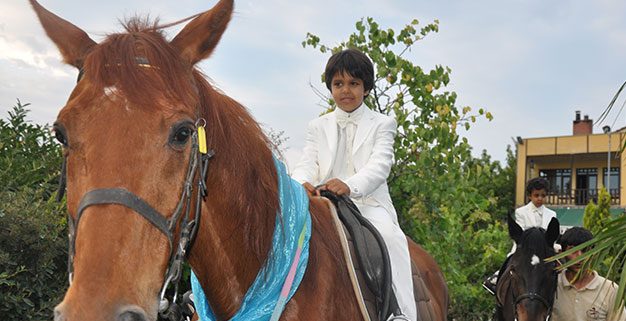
132	314
58	315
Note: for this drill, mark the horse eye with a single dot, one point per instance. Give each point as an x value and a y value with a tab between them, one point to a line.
181	135
59	134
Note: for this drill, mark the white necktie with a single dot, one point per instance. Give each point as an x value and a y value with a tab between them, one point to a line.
343	120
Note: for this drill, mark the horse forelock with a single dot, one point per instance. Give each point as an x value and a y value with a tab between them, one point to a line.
141	64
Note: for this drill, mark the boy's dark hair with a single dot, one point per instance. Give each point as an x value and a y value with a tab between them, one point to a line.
352	62
575	236
537	183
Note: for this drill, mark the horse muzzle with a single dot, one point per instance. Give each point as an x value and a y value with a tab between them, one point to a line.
126	313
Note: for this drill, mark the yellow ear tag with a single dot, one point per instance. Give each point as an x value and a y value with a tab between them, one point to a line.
202	140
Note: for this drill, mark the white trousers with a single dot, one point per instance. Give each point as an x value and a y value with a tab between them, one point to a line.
401	278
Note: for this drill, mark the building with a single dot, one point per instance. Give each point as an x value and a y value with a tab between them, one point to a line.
576	167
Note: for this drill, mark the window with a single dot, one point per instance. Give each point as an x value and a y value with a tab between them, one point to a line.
560	180
586	185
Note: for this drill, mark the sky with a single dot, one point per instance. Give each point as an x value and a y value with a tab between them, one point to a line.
531	63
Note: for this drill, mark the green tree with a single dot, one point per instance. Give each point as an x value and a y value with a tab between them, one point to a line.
437	187
29	155
597	216
33	255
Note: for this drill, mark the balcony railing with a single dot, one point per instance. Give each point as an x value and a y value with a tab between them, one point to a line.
580	197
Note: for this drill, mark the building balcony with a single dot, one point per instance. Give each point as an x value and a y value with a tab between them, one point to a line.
580	197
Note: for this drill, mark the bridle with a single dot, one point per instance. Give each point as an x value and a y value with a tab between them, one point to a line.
169	309
532	296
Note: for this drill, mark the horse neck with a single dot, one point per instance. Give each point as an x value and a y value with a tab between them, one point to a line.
239	212
222	256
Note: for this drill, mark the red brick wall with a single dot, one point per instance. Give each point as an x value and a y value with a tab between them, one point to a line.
583	127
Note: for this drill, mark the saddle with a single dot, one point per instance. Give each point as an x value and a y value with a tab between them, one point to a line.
371	254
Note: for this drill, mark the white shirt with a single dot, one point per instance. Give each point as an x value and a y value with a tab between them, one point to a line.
343	167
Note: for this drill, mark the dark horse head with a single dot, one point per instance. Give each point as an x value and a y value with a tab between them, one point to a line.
527	283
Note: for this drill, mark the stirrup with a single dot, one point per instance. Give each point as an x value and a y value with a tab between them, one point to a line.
490	283
486	287
399	317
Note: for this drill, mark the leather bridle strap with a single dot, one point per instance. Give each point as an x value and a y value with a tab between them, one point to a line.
532	296
122	196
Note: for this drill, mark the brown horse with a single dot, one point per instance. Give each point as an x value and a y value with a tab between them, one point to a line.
127	125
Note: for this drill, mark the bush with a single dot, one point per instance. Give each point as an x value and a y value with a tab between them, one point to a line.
33	255
597	216
33	245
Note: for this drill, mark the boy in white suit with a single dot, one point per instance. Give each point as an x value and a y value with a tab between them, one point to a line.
533	214
350	151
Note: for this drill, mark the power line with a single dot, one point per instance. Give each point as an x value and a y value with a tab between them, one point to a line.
606	112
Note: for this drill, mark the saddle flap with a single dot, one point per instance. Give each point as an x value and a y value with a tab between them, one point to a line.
371	254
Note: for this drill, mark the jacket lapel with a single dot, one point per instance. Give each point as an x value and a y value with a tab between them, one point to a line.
366	124
327	153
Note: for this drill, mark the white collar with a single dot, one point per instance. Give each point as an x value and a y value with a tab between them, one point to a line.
535	208
355	115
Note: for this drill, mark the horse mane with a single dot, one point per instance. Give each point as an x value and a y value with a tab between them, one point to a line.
148	72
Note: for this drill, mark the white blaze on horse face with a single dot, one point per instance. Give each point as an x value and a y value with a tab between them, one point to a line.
110	91
534	260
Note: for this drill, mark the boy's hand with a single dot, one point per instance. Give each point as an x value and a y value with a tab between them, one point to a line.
310	189
336	186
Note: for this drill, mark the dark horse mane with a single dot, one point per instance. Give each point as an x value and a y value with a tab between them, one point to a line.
142	65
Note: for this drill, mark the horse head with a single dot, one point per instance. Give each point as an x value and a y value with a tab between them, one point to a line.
527	285
130	131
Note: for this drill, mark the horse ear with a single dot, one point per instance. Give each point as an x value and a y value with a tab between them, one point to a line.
553	232
73	42
515	231
200	36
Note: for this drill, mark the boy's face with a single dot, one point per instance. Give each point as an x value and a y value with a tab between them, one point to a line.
537	196
348	92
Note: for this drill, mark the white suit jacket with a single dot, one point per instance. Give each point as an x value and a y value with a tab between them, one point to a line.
372	156
529	216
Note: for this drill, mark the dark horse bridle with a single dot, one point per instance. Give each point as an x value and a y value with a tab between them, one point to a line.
533	296
181	218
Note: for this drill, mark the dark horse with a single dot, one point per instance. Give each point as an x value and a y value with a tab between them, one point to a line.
128	131
527	284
